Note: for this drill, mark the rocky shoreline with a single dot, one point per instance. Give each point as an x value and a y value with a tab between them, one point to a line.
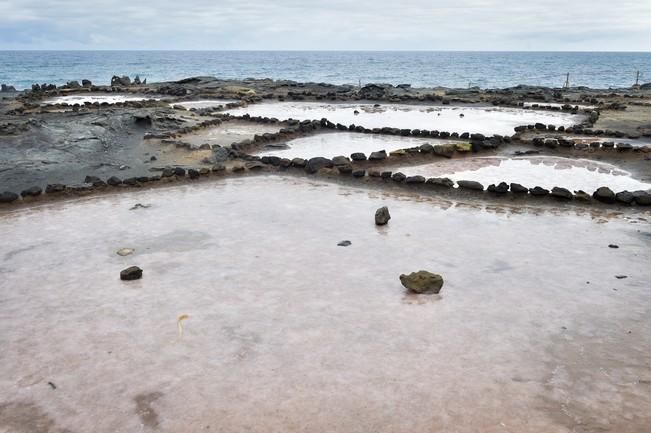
62	150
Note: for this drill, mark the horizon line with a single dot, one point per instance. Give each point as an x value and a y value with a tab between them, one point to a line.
320	50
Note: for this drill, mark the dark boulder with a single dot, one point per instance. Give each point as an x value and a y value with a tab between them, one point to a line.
440	181
415	179
358	156
8	197
178	171
131	273
316	164
31	192
538	191
501	188
471	185
340	160
561	193
642	198
398	177
298	162
193	174
604	195
624	197
382	216
114	181
359	173
378	156
518	189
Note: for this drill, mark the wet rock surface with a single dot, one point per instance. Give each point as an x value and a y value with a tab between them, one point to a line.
131	273
382	216
422	282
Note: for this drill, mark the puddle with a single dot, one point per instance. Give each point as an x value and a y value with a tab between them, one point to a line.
207	103
544	171
289	332
230	132
106	98
484	120
333	144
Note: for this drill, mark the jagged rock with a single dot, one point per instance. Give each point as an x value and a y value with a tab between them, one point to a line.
373	91
518	189
86	83
316	164
422	282
8	197
193	174
386	175
501	188
382	216
471	185
120	81
178	171
561	193
378	156
358	156
92	179
5	88
604	195
582	196
538	191
131	273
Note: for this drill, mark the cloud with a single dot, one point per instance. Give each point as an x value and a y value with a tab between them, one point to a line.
328	25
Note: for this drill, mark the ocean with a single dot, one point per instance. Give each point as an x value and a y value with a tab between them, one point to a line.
421	68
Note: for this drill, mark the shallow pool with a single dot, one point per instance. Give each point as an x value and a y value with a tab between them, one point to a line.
484	120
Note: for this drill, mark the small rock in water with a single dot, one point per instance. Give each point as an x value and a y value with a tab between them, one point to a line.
422	282
621	277
613	246
140	206
131	273
344	243
125	251
382	216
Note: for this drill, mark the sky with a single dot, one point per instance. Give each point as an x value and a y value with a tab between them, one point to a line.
495	25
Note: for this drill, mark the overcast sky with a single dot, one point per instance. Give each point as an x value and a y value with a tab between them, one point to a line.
591	25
